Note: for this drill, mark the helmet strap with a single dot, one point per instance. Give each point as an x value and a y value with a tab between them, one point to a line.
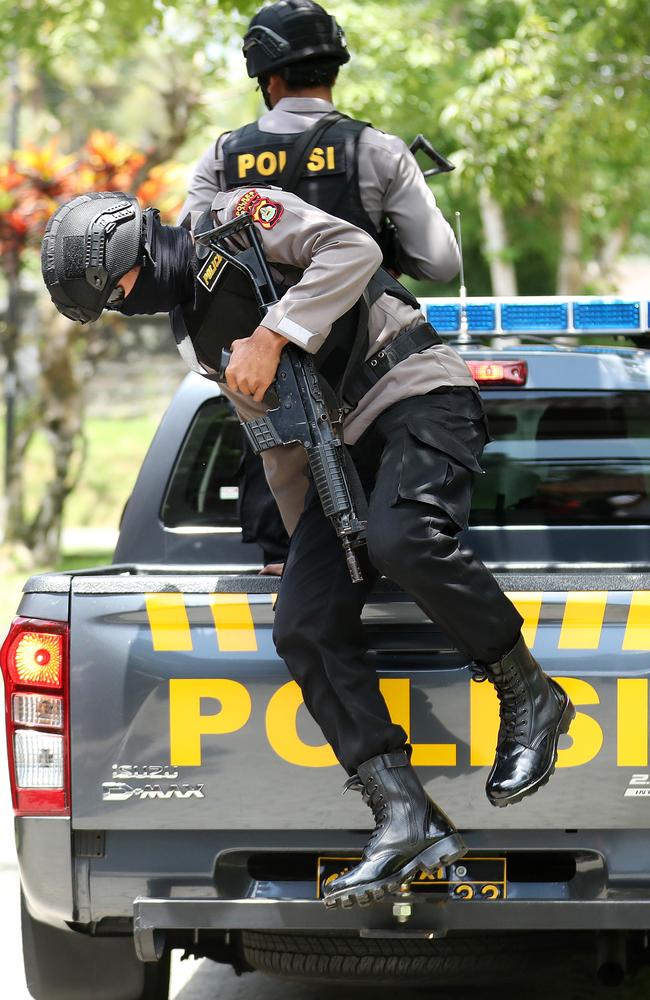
263	84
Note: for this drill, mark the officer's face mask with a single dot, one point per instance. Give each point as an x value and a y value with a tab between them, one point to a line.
166	279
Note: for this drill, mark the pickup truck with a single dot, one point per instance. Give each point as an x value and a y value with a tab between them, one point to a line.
171	791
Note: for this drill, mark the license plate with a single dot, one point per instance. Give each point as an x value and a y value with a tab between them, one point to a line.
473	877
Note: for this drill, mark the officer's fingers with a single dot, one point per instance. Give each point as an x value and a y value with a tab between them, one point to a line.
245	385
272	569
231	378
238	381
259	393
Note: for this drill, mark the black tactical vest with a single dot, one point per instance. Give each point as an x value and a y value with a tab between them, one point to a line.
225	309
330	180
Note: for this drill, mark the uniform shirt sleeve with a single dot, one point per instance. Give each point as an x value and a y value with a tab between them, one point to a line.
336	258
390	176
207	180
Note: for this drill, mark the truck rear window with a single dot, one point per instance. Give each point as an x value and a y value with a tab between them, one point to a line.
203	489
554	459
565	459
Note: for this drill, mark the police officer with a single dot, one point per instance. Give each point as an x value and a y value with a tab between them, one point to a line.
348	168
415	426
295	49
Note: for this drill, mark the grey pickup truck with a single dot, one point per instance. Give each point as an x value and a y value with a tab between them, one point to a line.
171	791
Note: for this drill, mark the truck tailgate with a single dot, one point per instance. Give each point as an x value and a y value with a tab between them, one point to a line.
183	717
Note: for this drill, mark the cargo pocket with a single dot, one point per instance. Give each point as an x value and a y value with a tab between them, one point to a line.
437	468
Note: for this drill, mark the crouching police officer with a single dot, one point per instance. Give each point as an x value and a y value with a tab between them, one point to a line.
295	49
416	428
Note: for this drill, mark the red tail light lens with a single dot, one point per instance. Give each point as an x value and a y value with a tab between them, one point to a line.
34	660
499	372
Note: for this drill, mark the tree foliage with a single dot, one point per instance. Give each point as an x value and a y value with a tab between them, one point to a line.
542	104
33	181
50	30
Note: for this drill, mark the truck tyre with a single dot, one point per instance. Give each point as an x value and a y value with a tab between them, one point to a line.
460	958
61	964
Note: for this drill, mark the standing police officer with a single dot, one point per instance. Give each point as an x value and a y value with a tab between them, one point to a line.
347	168
414	420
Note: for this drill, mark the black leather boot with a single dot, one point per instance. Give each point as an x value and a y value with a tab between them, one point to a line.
411	833
534	711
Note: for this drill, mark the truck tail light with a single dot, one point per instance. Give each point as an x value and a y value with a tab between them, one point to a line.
499	372
34	661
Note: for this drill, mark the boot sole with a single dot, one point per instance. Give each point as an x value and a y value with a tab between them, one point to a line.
567	717
443	852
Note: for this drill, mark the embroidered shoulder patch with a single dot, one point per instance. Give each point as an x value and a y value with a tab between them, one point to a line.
260	208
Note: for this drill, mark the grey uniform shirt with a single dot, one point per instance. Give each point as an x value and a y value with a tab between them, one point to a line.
390	183
337	260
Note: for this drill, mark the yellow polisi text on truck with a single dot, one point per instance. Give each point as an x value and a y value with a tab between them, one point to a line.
190	725
582	622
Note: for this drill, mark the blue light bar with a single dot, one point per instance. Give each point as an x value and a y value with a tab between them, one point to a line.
534	316
445	319
580	315
606	315
481	317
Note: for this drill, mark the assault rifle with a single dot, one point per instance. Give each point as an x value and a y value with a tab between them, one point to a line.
302	416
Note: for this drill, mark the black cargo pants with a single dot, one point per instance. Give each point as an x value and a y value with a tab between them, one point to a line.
417	463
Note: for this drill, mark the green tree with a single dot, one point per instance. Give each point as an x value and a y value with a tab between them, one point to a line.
554	115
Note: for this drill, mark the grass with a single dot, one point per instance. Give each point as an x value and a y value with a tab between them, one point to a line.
13	581
115	450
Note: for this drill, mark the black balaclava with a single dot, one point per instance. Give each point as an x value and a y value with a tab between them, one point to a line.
167	283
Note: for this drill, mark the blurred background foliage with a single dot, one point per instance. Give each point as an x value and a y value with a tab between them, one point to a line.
542	104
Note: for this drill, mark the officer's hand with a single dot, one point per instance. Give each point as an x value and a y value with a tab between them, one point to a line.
254	362
272	569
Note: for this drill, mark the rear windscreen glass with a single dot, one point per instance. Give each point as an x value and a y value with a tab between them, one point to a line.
203	489
565	459
555	459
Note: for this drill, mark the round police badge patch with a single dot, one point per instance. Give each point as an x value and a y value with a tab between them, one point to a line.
261	209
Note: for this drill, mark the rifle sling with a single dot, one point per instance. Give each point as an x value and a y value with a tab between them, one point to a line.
301	151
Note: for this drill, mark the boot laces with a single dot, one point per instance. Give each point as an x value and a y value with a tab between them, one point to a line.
373	796
511	691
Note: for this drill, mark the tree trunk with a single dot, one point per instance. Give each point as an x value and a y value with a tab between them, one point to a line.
611	249
180	102
12	504
12	513
497	244
61	399
46	528
570	278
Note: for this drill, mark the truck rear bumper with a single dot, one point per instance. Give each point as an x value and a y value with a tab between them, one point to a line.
155	918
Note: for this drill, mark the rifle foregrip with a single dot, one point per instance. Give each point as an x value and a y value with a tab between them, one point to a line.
327	470
261	434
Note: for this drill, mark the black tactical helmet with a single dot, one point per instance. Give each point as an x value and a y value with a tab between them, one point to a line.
291	31
89	244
